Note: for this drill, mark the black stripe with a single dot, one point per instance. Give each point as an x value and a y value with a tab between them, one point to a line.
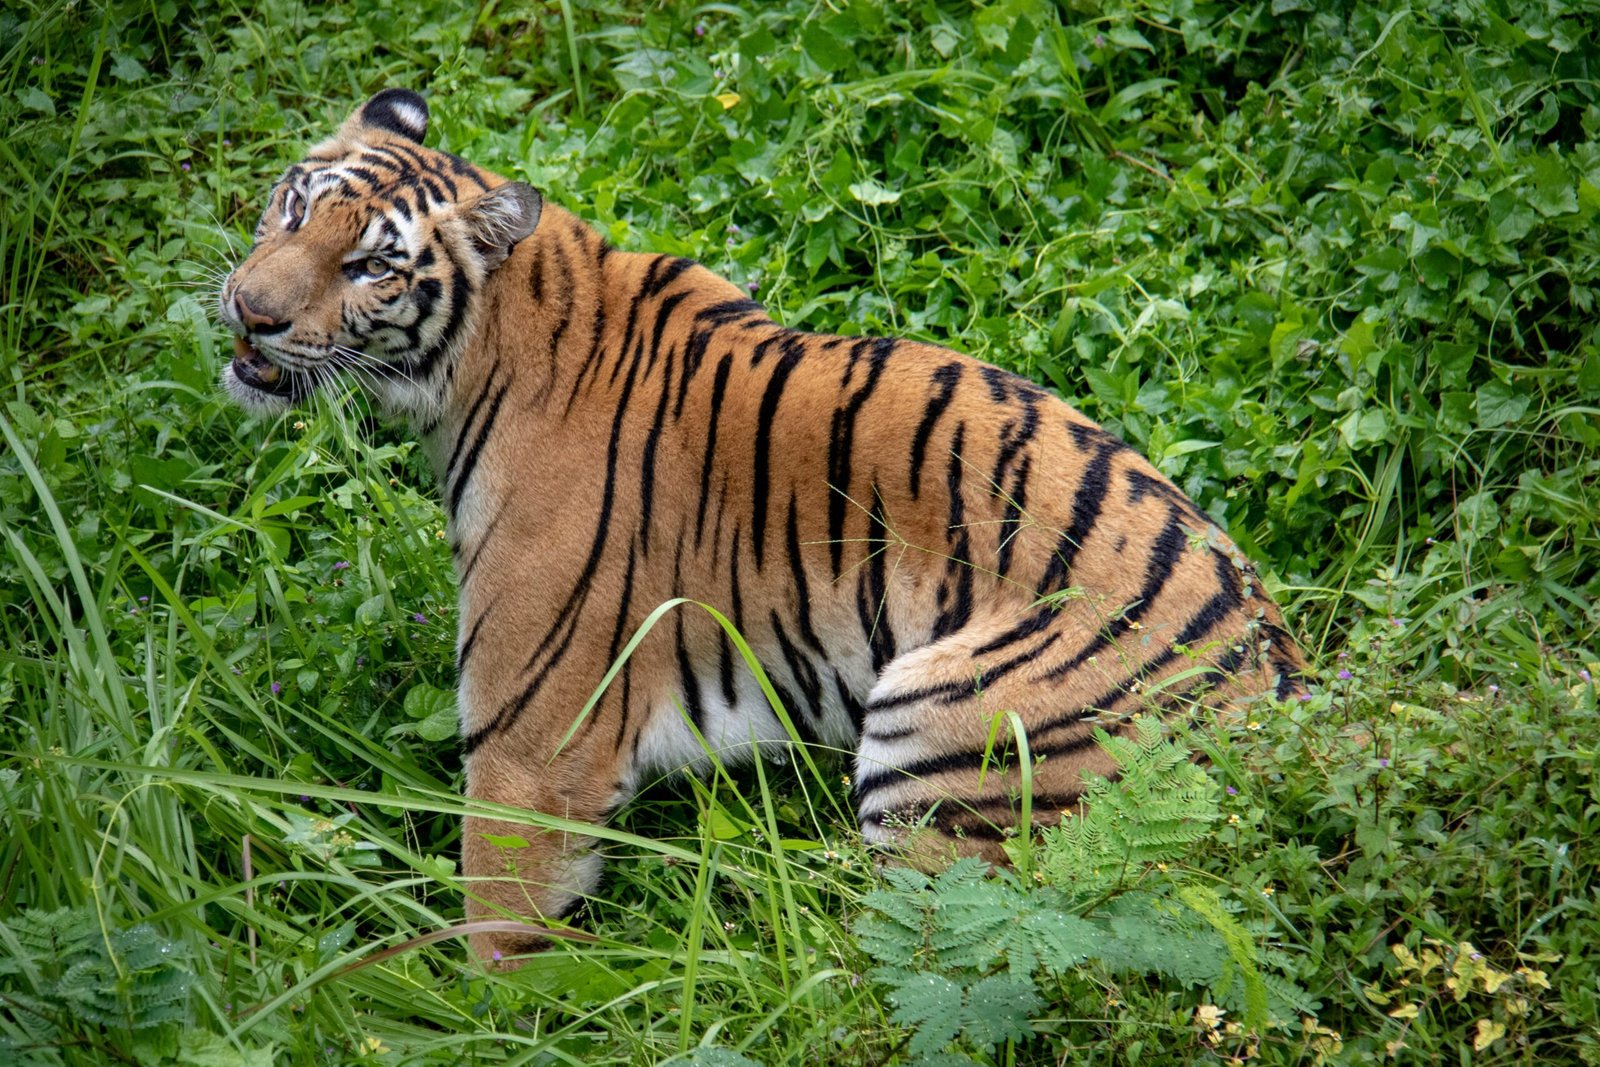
663	315
536	274
946	378
660	279
954	692
995	379
1164	556
841	442
761	485
727	311
564	266
470	463
621	626
737	591
719	387
596	355
464	169
1086	505
689	683
647	465
801	669
465	652
633	316
617	633
465	572
1024	629
802	588
852	706
725	667
1011	520
955	589
872	589
460	295
694	353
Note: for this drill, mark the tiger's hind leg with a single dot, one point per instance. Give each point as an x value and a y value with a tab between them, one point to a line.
938	772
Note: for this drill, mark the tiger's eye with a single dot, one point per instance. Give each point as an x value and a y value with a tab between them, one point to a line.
376	266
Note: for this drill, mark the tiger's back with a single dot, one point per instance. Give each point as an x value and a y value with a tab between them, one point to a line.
912	541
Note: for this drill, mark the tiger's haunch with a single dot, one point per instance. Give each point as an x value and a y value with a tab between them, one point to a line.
912	541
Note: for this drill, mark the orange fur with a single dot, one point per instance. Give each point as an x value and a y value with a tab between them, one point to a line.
911	540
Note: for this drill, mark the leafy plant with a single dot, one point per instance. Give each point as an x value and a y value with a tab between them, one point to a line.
961	952
65	980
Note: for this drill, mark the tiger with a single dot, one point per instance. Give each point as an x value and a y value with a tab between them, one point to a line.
916	545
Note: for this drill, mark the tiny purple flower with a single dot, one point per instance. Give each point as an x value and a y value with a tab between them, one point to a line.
276	688
1582	673
1345	676
185	166
1232	792
497	955
226	143
1305	698
236	671
1493	689
361	661
343	564
1344	655
1393	621
733	227
753	286
1383	761
1477	956
1099	40
305	798
144	600
699	29
419	617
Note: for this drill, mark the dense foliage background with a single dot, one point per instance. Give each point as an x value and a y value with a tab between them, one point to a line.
1334	266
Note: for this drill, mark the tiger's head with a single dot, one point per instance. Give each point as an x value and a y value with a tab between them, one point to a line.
368	261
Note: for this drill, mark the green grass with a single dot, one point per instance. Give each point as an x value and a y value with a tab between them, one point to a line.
1334	267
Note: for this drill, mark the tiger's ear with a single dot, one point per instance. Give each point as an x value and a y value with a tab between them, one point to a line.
500	218
396	111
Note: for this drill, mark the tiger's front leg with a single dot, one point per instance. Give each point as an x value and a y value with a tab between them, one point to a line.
522	872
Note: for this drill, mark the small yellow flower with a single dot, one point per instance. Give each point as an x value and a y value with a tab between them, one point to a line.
1267	890
1255	725
371	1046
1162	867
1233	820
1209	1016
299	425
438	535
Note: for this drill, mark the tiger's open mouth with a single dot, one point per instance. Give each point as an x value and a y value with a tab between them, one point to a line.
255	370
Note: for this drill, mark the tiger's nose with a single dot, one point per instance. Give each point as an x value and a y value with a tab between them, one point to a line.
251	317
